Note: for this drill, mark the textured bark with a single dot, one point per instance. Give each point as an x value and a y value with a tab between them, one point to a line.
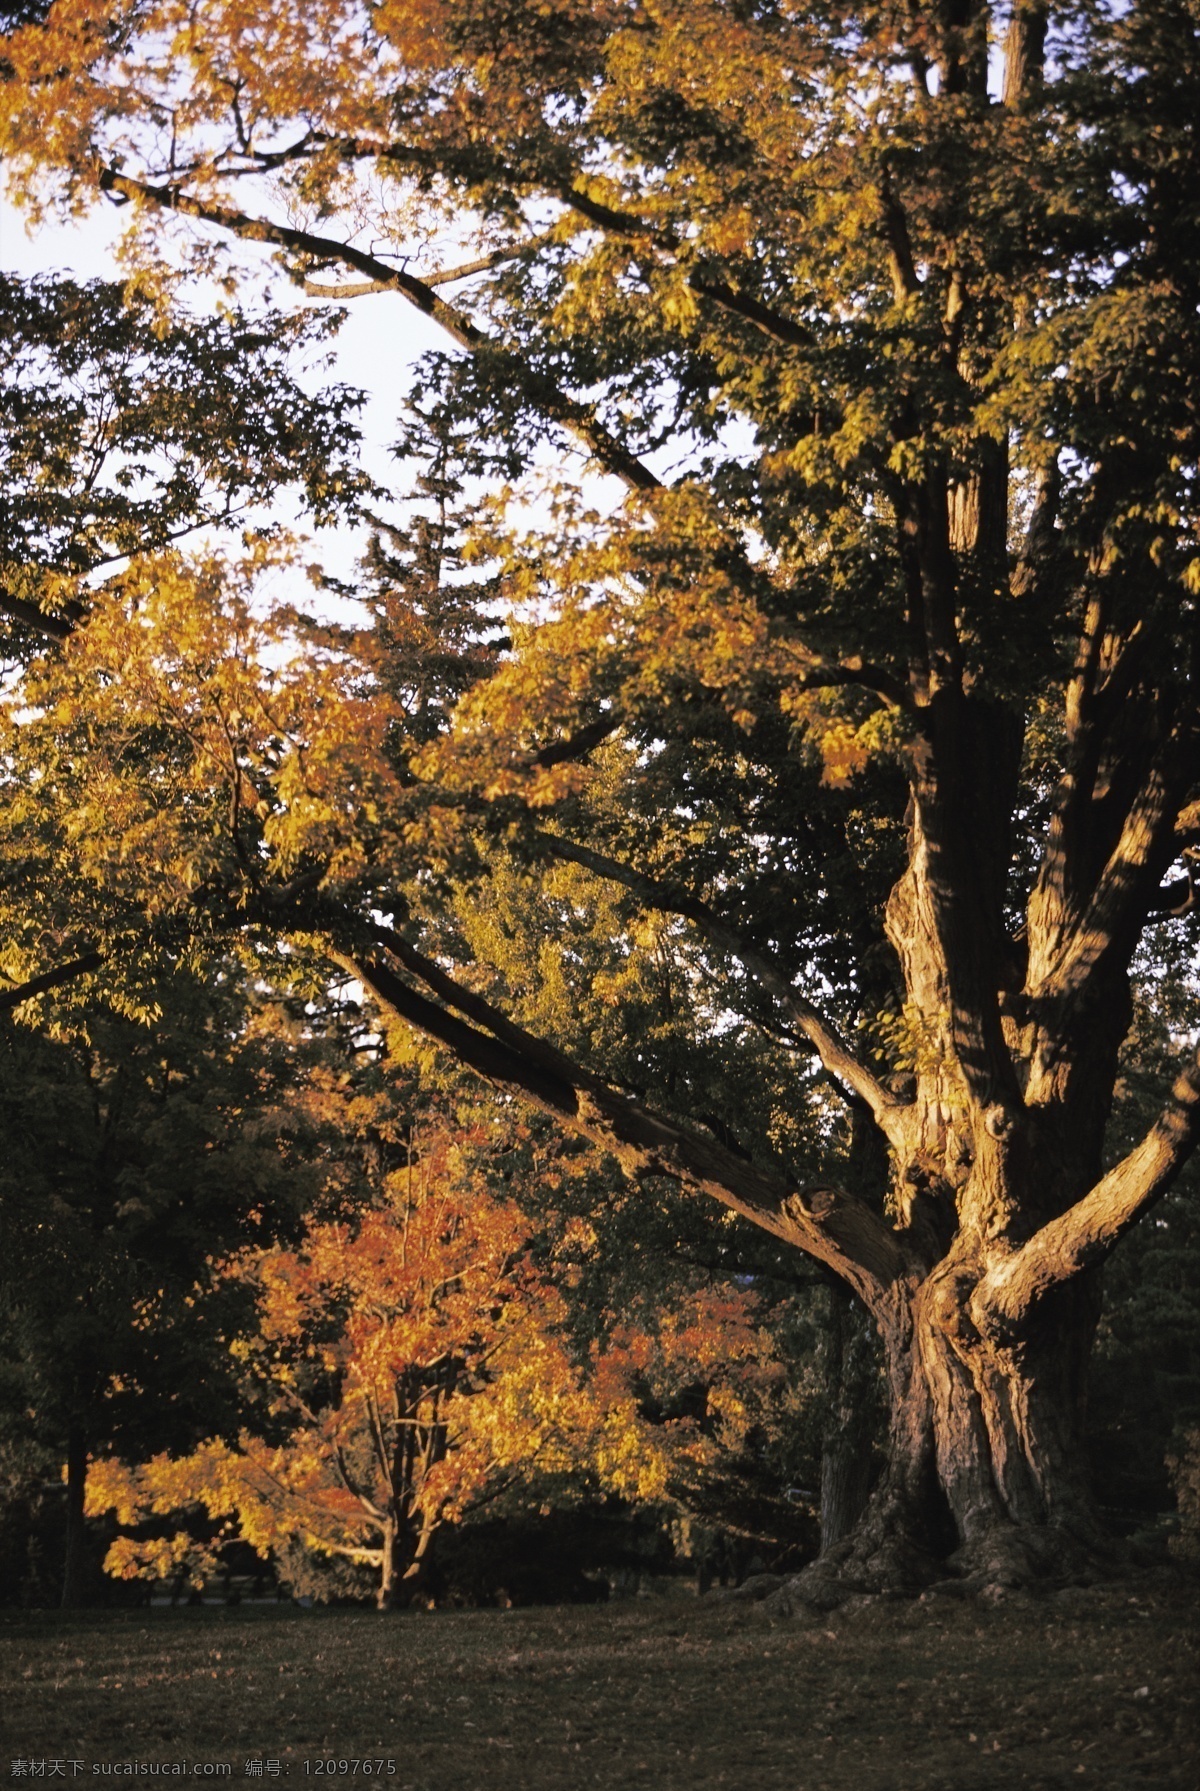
977	1253
978	1246
1024	50
982	1286
846	1446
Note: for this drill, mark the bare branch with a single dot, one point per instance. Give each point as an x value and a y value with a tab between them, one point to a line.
578	418
442	277
351	290
366	1557
447	276
901	264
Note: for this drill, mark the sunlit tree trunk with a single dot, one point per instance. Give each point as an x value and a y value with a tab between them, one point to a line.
385	1597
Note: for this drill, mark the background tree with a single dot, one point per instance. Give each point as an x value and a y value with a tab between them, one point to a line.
410	1364
881	706
137	1151
126	424
415	1361
1145	1385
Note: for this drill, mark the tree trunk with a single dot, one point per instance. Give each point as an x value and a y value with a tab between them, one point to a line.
846	1445
389	1575
984	1480
75	1575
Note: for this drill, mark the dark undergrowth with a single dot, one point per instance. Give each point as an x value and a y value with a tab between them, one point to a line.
1098	1687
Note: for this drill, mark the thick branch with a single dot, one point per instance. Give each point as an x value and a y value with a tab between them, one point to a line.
901	265
445	276
1024	50
831	674
609	218
577	745
765	318
769	322
1040	546
832	1226
1086	1233
59	624
50	979
366	1557
1124	893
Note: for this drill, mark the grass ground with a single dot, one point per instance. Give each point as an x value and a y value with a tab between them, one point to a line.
1097	1688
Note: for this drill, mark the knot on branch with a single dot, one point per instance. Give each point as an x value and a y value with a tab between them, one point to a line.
999	1122
817	1202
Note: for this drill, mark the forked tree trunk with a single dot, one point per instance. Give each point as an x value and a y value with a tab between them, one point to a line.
978	1260
984	1475
988	1328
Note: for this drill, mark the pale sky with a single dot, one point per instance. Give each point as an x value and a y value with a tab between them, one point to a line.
379	342
375	349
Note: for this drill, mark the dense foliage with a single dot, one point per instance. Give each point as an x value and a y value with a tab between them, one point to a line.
782	795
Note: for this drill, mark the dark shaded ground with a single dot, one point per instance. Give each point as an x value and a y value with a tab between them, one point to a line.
1095	1688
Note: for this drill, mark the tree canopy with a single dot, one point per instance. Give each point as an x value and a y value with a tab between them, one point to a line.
807	705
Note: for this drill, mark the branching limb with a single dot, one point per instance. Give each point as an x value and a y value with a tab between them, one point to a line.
1084	1235
827	674
577	418
441	277
821	1034
1126	890
667	245
612	220
832	1226
356	1492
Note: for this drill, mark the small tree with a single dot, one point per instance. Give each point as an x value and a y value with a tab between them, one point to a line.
408	1366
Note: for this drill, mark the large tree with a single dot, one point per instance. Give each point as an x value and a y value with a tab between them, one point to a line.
872	695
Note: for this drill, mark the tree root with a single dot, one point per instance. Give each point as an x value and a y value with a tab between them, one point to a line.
1033	1556
886	1562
